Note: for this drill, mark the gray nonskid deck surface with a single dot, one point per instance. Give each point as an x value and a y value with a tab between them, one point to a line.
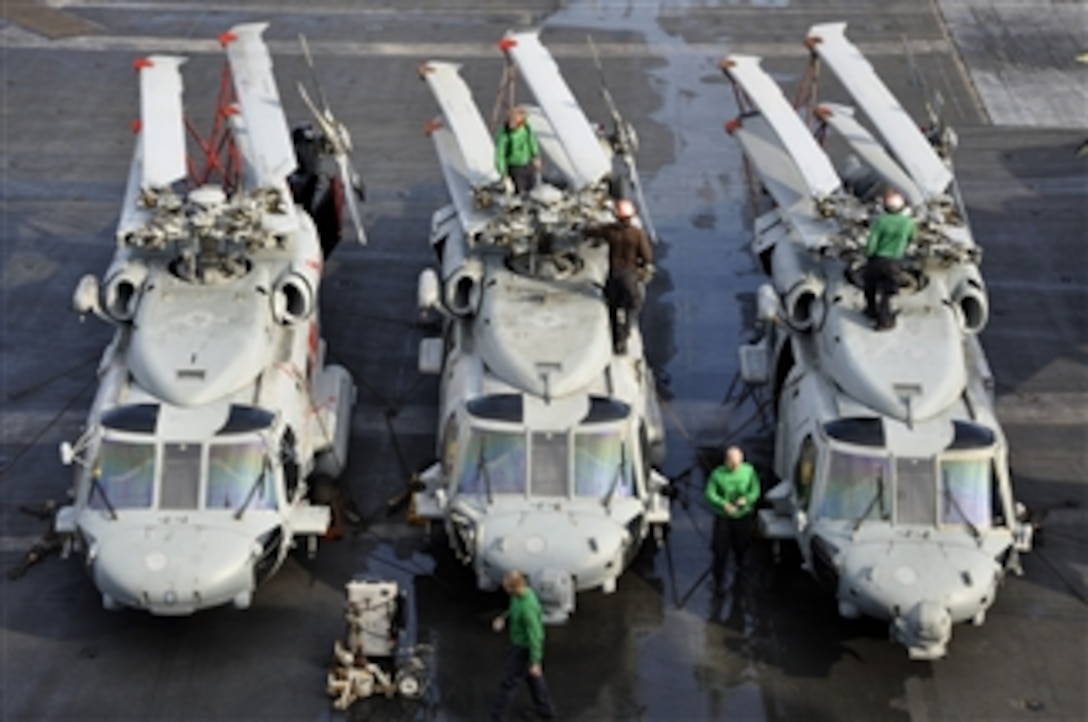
775	651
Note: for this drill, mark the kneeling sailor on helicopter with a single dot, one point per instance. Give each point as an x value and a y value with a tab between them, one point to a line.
630	264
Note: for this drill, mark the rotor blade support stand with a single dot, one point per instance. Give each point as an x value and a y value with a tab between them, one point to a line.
221	157
506	95
808	90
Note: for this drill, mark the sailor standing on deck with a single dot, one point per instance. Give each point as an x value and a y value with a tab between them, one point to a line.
888	239
732	490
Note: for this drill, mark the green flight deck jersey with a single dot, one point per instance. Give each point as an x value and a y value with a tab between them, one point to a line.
889	236
515	147
725	485
525	621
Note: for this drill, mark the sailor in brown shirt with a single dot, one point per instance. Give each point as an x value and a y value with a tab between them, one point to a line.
630	255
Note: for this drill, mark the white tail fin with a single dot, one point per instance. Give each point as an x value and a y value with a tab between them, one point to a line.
273	155
841	119
895	126
461	116
568	122
162	124
811	160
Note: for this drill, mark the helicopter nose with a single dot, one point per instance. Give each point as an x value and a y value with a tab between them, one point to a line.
586	548
175	569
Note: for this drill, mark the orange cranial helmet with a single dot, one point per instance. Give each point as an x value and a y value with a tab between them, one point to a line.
625	209
893	201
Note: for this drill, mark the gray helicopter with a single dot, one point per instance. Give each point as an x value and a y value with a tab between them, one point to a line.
215	403
894	469
548	437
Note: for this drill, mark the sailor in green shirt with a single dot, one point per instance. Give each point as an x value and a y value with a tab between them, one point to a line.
888	239
526	623
732	490
517	152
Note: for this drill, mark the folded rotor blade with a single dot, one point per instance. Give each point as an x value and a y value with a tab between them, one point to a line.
895	126
273	155
812	162
455	172
538	68
551	145
461	116
778	172
162	124
841	119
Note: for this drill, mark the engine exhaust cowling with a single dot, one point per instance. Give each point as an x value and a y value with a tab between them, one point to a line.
294	296
970	300
804	304
124	284
462	288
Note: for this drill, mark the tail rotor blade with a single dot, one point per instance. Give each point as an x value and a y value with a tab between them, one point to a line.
339	141
352	192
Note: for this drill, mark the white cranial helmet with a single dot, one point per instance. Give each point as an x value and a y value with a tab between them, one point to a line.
625	209
893	201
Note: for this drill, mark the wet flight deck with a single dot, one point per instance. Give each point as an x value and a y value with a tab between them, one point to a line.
660	647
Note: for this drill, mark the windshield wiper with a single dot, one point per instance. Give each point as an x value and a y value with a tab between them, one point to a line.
481	468
878	497
96	484
616	478
959	510
258	483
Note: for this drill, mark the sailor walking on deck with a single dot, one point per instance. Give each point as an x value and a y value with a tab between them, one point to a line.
526	622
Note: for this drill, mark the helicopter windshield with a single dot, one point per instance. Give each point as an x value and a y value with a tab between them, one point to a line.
863	487
493	463
601	465
233	469
857	487
966	492
497	462
126	475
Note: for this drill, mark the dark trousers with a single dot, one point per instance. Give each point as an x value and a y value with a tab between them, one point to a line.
735	534
517	669
881	283
524	177
624	295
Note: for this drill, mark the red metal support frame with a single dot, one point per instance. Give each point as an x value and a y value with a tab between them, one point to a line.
808	91
506	96
219	156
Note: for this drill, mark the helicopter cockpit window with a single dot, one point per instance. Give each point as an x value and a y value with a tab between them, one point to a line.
602	465
180	476
966	492
126	476
915	491
233	471
493	462
550	463
858	487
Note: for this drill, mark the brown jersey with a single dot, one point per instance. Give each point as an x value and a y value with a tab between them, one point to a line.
628	247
